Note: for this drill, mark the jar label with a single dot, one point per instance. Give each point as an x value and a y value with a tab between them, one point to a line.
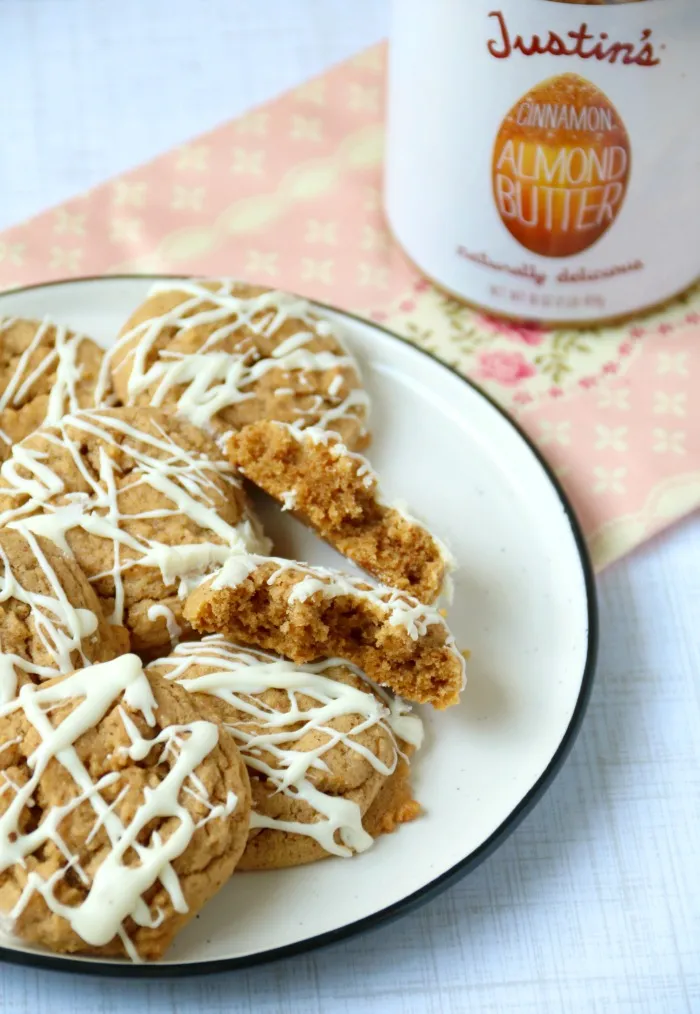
560	167
543	158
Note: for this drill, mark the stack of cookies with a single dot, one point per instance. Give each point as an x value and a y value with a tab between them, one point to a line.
177	702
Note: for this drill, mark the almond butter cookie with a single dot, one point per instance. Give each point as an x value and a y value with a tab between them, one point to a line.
309	613
50	619
45	372
123	809
222	354
141	500
334	491
326	750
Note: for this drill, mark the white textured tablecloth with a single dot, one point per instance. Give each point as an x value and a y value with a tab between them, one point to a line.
593	905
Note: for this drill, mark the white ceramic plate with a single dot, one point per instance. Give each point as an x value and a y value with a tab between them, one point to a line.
524	604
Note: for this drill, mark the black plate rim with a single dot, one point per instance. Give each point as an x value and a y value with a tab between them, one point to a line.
466	865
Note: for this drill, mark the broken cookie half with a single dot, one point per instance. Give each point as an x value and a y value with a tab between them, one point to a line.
305	613
333	490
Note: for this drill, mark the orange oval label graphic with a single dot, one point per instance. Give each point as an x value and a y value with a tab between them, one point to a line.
561	166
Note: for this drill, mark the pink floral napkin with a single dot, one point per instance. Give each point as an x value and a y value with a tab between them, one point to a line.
290	195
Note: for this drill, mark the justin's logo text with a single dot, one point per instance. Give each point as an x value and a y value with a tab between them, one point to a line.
582	43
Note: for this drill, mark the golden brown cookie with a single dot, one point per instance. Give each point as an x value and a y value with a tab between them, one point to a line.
222	354
312	474
394	803
141	500
123	809
45	372
326	750
307	613
50	619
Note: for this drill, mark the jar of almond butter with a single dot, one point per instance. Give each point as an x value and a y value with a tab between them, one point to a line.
543	156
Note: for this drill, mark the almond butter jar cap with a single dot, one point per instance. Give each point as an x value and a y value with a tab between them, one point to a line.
542	155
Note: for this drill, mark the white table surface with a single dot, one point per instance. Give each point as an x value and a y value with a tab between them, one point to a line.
593	905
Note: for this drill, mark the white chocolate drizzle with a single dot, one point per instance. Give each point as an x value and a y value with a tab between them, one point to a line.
58	624
213	378
267	738
160	611
115	892
186	479
289	500
60	352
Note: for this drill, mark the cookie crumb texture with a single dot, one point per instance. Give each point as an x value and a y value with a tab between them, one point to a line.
224	354
326	750
45	372
141	500
335	492
306	613
50	619
123	809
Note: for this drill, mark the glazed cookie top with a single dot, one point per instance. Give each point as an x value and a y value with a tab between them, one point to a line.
319	740
50	619
45	372
140	499
122	810
223	354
